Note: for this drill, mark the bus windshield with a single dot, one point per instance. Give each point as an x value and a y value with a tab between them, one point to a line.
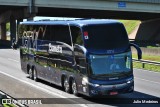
105	36
109	65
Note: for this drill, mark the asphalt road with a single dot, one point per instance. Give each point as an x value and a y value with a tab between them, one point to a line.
17	84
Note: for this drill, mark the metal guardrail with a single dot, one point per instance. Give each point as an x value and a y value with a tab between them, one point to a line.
146	62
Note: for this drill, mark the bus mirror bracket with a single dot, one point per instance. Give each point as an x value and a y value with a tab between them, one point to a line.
139	51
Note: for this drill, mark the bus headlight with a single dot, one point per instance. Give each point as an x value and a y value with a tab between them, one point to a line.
94	85
129	80
85	82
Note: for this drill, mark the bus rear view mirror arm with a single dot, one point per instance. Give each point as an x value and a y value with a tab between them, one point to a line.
139	51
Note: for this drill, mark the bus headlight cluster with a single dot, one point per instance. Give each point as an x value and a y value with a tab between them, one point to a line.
94	85
129	80
85	82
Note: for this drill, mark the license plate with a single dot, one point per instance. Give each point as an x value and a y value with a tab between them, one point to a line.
113	93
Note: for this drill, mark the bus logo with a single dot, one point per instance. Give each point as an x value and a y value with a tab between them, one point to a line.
6	101
53	48
110	51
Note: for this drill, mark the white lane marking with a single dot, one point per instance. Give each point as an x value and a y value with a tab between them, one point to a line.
40	88
13	60
147	80
147	71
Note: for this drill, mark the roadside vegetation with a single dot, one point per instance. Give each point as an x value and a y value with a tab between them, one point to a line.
148	57
130	25
8	31
154	47
147	66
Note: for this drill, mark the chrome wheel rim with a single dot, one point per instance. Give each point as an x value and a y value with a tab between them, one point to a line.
74	88
35	76
66	85
30	73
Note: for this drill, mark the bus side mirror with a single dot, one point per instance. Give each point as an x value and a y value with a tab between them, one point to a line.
139	51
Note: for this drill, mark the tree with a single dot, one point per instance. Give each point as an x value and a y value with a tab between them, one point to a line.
8	27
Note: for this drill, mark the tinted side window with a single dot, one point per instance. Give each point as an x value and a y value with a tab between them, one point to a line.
41	32
47	33
35	32
76	35
106	36
60	33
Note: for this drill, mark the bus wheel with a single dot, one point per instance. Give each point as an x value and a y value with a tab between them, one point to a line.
66	85
30	73
35	75
74	87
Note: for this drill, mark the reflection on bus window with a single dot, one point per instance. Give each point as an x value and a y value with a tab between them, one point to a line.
76	35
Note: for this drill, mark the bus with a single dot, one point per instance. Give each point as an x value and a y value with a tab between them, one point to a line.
90	57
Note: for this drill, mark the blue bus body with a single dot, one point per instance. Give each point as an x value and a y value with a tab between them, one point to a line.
91	57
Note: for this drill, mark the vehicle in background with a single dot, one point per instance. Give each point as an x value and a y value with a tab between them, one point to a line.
14	44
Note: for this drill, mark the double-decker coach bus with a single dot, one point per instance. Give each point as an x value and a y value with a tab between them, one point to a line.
91	57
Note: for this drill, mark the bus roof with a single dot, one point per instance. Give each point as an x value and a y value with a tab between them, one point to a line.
79	22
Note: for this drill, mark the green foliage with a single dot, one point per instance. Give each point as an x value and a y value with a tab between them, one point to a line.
148	57
147	66
8	27
130	25
79	39
21	29
154	47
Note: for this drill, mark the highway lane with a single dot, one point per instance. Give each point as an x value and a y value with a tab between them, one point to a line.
15	83
147	84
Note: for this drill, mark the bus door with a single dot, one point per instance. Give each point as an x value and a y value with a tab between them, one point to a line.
81	69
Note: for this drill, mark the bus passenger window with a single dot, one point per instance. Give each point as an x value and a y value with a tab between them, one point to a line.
46	35
76	35
35	32
60	33
40	32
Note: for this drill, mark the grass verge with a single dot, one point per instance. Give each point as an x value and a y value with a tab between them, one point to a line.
148	57
147	66
130	25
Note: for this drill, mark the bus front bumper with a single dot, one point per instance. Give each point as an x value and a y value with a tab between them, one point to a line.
115	89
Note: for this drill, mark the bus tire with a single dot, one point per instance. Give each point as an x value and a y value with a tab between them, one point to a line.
74	87
35	74
30	73
66	85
